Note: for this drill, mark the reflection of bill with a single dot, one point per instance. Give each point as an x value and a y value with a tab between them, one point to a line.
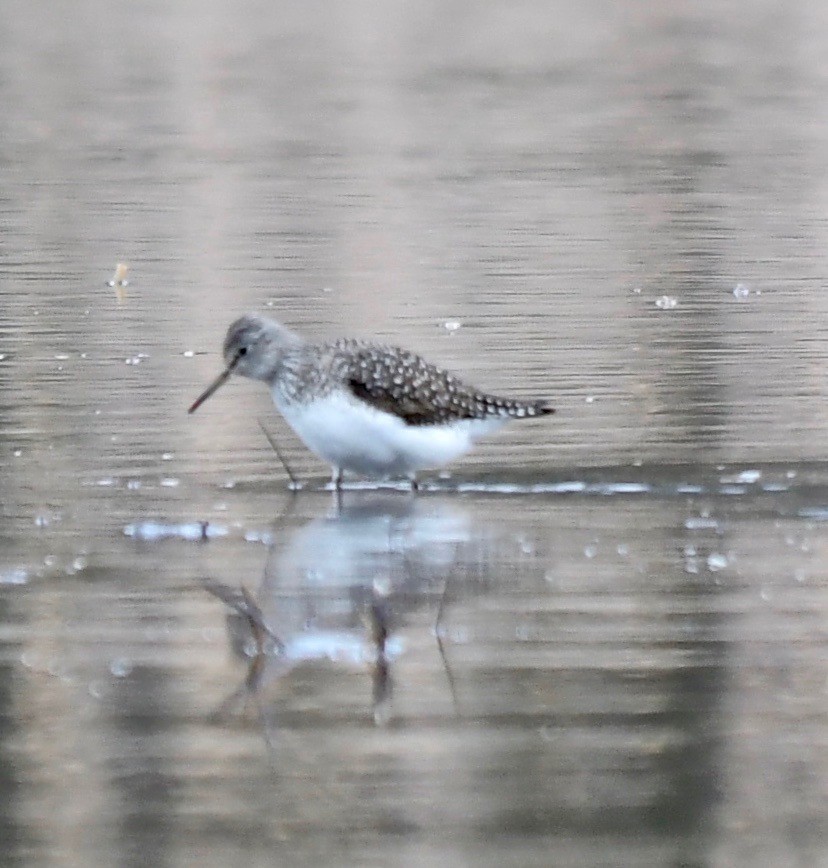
336	588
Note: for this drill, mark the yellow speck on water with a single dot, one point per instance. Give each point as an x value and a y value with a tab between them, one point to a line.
119	281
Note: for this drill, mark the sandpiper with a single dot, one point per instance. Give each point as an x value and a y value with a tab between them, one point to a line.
372	410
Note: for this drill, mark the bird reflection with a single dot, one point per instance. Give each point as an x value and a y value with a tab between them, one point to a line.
338	588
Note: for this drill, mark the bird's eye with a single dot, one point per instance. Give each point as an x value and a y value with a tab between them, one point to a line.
242	351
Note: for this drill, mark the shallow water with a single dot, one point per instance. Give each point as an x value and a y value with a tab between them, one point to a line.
606	631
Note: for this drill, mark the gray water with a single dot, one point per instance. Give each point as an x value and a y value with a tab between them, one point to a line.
606	629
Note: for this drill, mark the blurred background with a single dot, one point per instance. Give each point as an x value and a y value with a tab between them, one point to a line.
608	627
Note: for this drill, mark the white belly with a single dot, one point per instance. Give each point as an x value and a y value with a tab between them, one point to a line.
355	437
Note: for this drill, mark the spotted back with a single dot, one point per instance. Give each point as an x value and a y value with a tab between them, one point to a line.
401	382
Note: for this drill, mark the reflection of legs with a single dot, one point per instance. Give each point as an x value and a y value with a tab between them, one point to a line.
271	440
438	632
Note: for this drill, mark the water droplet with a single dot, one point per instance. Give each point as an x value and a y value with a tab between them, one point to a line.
666	302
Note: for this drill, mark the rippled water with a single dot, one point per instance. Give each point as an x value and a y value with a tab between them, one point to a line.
598	640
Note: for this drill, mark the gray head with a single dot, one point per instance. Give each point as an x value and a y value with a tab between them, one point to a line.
254	347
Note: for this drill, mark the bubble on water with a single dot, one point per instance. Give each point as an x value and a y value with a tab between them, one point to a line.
80	563
451	325
134	484
166	456
42	520
30	660
258	536
188	354
666	302
745	477
120	667
17	453
61	357
741	290
231	483
170	482
2	356
14	576
590	551
96	689
637	290
716	561
623	549
106	482
527	547
590	399
701	523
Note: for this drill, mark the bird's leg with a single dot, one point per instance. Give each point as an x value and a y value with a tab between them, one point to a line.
415	486
336	478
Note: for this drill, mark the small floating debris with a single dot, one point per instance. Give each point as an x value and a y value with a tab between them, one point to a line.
741	291
153	531
120	276
119	281
666	302
170	482
452	325
188	354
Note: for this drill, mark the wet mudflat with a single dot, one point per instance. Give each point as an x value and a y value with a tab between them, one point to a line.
600	639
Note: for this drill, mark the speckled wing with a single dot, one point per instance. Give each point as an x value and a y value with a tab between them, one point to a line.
402	383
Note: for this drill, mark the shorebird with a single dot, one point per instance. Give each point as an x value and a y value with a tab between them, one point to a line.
372	410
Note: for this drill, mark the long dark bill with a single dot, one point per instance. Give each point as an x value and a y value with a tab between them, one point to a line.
219	380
